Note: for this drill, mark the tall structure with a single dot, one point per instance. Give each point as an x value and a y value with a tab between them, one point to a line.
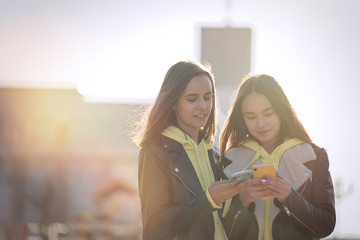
228	50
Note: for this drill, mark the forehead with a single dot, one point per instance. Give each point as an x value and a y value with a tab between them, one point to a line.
198	85
255	103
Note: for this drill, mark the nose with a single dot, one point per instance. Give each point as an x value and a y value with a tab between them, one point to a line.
202	104
260	122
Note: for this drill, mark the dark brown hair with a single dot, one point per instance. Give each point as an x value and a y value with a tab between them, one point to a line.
235	132
161	114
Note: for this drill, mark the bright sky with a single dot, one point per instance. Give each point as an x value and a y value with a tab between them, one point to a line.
122	50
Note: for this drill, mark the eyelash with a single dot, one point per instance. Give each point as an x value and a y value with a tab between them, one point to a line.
205	98
266	115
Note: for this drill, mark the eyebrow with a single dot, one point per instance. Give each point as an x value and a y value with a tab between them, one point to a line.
267	109
194	94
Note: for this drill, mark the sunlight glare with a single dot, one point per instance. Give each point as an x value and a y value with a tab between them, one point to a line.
287	71
130	71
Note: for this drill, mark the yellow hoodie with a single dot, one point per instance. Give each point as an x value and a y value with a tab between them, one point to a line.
198	155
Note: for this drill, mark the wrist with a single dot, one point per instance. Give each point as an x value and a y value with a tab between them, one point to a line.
244	205
212	201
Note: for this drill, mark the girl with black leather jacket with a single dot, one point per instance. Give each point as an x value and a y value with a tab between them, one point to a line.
180	184
297	203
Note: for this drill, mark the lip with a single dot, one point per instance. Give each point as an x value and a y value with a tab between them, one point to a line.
201	116
263	132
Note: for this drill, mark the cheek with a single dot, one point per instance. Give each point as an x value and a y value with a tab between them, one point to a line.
184	110
276	122
249	124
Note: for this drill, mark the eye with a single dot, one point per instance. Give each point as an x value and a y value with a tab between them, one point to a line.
250	117
268	114
207	98
191	99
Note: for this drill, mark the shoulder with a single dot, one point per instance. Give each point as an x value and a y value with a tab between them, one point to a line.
321	157
155	157
303	152
165	144
319	150
159	151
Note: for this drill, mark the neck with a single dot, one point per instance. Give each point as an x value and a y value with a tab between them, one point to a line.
195	137
270	147
194	134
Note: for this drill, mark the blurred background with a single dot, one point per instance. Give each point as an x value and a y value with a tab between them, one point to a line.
74	74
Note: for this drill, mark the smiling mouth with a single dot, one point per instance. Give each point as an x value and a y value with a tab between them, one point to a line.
263	132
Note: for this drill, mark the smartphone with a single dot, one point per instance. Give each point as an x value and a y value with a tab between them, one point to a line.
264	170
244	175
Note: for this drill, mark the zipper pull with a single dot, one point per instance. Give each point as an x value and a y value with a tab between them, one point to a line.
237	215
287	210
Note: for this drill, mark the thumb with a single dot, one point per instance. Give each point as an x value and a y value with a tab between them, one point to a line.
220	182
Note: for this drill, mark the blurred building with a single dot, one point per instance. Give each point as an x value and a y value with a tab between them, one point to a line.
228	50
65	160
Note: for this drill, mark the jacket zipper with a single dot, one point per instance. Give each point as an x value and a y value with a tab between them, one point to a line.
291	214
233	224
184	184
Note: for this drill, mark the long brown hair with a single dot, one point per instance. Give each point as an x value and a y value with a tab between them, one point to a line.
161	114
235	132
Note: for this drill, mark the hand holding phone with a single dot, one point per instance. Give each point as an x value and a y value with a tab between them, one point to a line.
244	175
262	171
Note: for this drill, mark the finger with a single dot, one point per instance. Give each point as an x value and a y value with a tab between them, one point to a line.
277	182
277	186
234	182
224	181
280	178
279	190
235	187
283	185
241	186
257	188
256	181
227	188
257	195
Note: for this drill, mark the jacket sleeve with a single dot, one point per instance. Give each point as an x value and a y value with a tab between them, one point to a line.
317	211
161	217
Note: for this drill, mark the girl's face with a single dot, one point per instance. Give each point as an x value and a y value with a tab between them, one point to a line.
261	120
193	107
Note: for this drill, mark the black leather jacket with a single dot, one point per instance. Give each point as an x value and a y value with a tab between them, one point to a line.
173	204
309	212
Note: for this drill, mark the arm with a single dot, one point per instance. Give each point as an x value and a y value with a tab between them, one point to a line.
162	216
